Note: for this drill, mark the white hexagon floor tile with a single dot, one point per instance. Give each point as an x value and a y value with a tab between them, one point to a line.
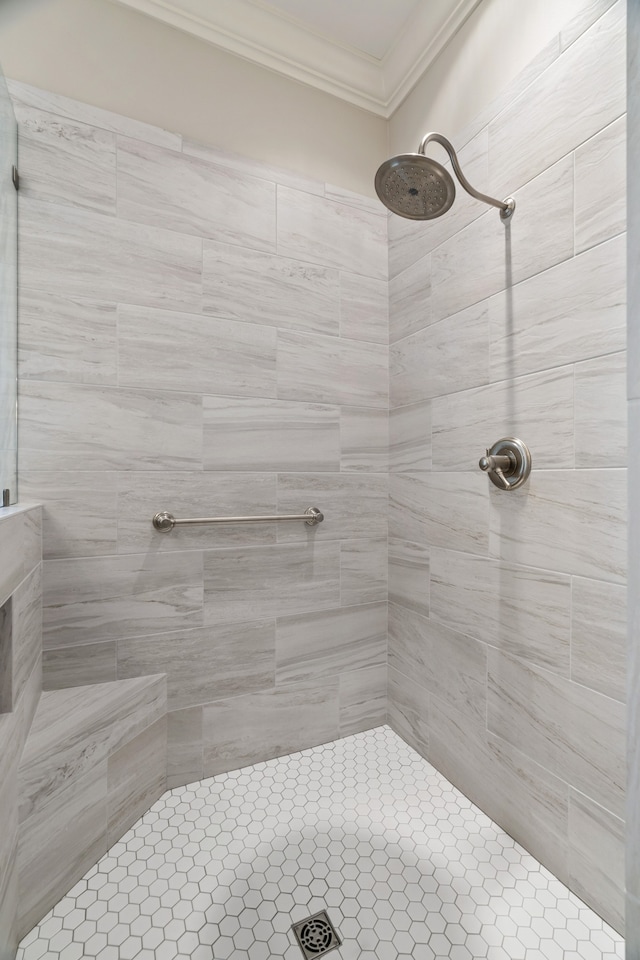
405	865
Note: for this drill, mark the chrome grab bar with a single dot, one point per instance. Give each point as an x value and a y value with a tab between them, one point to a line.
164	521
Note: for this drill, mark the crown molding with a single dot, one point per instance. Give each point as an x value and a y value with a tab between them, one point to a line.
273	40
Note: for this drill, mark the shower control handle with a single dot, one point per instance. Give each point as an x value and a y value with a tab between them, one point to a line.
507	463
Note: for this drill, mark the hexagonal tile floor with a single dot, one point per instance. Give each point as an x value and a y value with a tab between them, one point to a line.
406	866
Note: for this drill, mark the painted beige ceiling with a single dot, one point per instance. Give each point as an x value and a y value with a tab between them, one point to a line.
368	52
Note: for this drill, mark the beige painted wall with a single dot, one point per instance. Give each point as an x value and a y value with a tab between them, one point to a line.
106	55
497	41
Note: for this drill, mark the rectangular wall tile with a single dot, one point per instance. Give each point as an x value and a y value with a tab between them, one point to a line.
572	312
77	666
166	188
599	636
20	546
136	777
601	412
522	611
489	256
185	494
343	236
69	426
363	700
317	645
106	258
441	510
409	575
573	732
104	598
215	356
67	338
207	663
354	505
363	571
408	711
256	287
329	370
184	750
364	308
268	435
410	438
410	300
574	520
601	186
260	726
251	583
253	168
596	858
364	437
443	358
26	632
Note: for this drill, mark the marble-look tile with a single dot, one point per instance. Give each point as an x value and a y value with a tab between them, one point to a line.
524	798
26	628
596	858
214	356
443	662
78	666
354	505
184	749
489	256
273	435
195	494
252	583
69	427
6	656
579	94
74	730
363	699
343	236
441	510
208	663
408	711
253	168
574	521
443	358
572	312
106	258
256	287
260	726
318	645
363	571
67	338
601	412
165	188
364	438
24	94
357	200
79	513
364	308
410	438
598	636
410	240
410	299
59	843
585	18
409	575
9	898
66	161
328	370
601	186
105	598
522	611
538	408
20	546
575	733
136	777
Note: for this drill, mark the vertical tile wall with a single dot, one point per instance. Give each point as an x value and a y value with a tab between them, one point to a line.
507	611
207	336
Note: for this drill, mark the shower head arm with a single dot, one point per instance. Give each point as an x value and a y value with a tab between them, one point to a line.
506	207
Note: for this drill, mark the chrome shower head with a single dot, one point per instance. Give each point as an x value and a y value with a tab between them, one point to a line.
415	186
418	188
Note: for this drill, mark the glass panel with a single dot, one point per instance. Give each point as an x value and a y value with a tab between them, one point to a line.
8	294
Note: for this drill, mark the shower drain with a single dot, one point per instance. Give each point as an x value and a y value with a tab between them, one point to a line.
316	935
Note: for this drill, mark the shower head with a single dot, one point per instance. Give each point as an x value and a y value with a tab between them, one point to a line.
418	188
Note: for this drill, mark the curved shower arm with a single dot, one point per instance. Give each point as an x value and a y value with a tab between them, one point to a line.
506	207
